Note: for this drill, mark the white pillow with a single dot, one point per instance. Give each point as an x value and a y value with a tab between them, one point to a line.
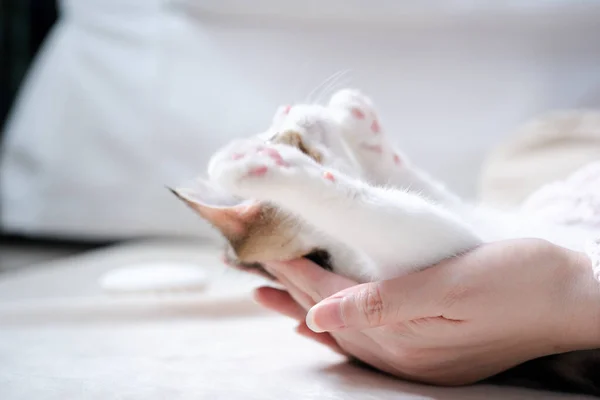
131	95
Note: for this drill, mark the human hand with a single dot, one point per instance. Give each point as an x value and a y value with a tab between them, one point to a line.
461	321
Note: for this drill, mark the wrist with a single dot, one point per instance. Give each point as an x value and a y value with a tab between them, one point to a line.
578	326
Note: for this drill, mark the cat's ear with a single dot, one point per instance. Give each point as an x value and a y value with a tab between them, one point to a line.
227	213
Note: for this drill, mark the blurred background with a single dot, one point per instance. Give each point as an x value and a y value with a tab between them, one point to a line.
111	287
104	102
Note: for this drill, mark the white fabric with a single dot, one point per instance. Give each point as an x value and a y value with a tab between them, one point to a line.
154	277
572	201
547	148
62	338
130	95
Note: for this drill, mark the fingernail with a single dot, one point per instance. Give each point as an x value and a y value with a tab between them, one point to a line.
326	316
255	296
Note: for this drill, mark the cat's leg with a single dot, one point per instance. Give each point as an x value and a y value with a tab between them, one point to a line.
400	230
381	162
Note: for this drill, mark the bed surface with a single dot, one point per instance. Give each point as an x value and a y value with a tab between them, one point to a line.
61	337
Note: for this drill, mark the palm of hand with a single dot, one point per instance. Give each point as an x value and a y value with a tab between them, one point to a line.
452	324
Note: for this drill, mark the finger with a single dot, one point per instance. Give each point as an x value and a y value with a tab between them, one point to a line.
374	304
297	294
323	338
311	278
279	301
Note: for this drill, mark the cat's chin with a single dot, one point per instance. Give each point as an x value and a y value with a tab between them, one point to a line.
318	256
254	268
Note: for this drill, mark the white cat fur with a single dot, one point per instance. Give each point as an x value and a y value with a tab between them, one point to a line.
377	214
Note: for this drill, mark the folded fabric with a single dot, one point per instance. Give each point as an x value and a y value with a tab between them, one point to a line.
544	150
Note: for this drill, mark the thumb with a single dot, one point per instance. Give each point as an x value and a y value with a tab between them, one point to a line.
374	304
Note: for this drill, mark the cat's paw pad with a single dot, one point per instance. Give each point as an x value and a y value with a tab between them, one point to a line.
358	111
280	116
360	125
241	166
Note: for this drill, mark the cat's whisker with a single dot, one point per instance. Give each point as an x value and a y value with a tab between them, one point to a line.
317	88
313	95
342	80
324	87
333	85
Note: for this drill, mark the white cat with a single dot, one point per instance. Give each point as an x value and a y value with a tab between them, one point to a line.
349	191
326	183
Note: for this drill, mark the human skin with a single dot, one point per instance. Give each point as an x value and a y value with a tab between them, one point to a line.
455	323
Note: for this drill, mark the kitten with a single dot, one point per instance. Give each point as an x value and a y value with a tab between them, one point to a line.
327	183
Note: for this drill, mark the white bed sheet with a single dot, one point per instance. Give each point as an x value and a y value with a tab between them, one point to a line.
62	338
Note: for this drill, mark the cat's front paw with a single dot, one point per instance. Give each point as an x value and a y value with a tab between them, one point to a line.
361	126
256	170
360	112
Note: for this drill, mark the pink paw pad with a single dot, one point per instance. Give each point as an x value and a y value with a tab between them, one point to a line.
375	127
258	171
274	154
357	113
397	159
375	148
286	109
329	176
237	156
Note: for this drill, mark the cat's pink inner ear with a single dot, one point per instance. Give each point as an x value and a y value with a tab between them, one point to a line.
230	221
247	210
226	213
